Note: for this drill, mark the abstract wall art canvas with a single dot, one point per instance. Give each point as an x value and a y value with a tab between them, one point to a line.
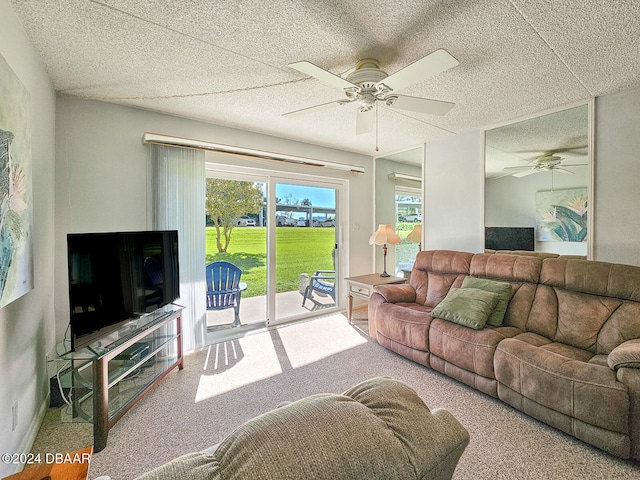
561	215
16	249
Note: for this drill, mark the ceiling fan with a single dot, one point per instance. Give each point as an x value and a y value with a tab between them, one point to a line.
548	161
368	84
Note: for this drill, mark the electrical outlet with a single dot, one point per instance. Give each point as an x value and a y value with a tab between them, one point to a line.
14	416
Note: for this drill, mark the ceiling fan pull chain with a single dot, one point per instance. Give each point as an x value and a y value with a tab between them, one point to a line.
376	107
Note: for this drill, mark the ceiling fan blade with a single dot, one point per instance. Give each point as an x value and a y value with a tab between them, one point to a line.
570	149
434	63
553	150
522	167
315	108
365	121
421	105
564	170
324	76
525	173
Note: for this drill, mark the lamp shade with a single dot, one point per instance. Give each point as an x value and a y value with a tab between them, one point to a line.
384	235
416	234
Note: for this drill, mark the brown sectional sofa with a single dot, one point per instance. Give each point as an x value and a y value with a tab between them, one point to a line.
567	352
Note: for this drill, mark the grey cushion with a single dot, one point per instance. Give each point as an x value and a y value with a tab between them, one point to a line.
470	307
378	429
502	289
194	466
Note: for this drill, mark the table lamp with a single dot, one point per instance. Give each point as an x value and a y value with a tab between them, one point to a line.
382	236
416	236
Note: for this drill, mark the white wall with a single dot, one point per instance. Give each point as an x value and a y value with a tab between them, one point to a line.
27	324
101	175
454	188
510	202
617	164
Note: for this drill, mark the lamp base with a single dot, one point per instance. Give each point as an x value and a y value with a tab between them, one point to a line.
384	274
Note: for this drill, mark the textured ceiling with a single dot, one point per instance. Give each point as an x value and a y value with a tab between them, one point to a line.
225	62
518	144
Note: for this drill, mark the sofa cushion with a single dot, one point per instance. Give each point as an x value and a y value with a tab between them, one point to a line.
470	307
512	268
404	323
472	350
502	289
435	272
599	302
572	387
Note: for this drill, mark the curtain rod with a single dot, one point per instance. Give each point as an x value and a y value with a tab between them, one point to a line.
402	176
167	140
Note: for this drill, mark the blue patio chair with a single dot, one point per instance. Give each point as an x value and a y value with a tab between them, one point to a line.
323	282
224	287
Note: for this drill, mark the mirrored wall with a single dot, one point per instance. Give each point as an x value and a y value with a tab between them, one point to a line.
398	195
538	183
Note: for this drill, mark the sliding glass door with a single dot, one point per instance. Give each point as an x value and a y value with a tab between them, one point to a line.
306	253
282	233
236	236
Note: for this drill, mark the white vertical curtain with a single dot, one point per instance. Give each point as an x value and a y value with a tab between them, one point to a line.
177	202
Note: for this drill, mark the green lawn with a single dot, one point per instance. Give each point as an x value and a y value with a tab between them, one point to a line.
298	250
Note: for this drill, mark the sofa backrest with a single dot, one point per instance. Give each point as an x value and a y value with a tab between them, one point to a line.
588	304
584	303
521	271
435	272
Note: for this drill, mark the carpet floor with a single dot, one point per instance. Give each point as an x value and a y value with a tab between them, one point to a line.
225	384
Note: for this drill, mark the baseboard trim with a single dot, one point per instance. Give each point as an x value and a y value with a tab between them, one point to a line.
32	432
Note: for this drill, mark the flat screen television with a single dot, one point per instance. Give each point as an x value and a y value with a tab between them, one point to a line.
509	238
115	277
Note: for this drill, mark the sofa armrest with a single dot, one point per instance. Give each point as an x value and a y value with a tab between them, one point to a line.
630	377
393	293
627	354
403	293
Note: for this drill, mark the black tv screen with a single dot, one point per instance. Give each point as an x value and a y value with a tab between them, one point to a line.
114	277
509	238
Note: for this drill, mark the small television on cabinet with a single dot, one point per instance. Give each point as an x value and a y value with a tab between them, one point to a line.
509	238
115	277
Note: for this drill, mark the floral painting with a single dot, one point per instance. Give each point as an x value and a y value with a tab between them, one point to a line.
16	255
561	215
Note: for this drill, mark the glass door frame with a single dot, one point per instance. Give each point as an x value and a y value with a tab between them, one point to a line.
270	178
311	181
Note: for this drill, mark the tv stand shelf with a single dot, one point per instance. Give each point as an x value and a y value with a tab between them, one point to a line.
130	363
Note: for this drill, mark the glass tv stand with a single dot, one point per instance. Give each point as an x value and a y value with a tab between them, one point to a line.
109	376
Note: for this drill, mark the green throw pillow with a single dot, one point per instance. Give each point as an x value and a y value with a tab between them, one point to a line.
502	289
470	307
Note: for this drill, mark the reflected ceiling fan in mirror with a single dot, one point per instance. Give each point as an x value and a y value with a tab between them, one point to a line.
367	84
548	161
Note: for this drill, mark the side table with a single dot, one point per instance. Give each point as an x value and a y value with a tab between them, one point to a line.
361	286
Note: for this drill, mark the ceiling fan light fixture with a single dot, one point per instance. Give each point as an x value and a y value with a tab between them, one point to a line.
366	102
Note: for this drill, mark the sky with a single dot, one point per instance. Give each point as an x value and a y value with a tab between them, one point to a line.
319	196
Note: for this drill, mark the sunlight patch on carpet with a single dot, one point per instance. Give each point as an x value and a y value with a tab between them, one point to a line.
303	348
236	363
